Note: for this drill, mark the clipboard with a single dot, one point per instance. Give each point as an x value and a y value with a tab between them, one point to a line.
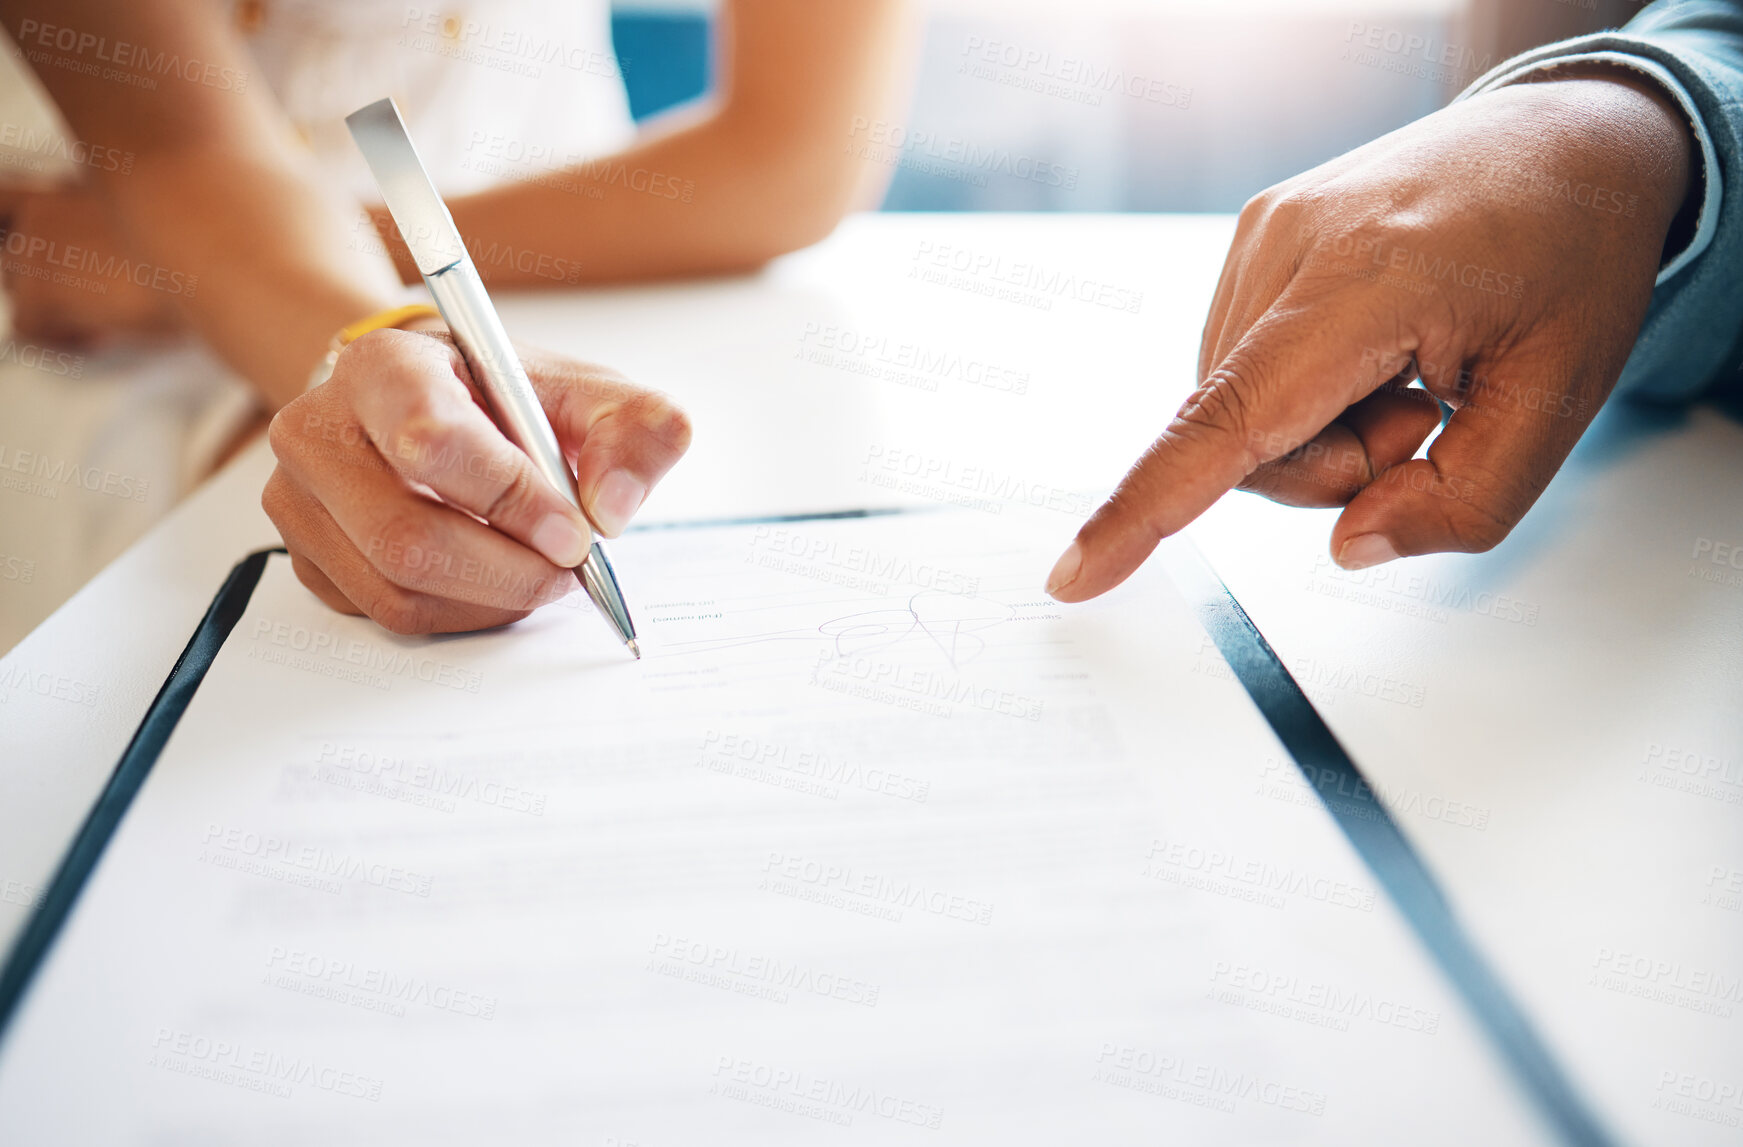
32	945
1363	819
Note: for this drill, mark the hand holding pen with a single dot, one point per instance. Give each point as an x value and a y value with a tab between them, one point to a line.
399	498
439	484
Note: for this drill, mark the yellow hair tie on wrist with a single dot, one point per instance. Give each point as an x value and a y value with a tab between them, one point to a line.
381	320
393	317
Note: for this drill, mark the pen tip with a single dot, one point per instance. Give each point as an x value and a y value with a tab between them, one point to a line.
635	649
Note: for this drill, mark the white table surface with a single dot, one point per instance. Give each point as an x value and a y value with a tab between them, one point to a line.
1558	690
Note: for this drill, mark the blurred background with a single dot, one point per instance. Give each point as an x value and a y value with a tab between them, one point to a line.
1118	105
1144	105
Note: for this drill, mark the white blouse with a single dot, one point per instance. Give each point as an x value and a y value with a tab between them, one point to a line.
475	82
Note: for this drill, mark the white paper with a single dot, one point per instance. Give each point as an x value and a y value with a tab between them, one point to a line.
878	844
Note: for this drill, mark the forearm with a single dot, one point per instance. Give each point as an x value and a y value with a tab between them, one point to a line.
221	209
768	166
710	197
274	262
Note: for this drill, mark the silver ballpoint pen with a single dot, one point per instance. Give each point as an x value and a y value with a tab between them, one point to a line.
440	255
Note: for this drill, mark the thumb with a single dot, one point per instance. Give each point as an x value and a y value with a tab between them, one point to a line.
1484	470
1295	371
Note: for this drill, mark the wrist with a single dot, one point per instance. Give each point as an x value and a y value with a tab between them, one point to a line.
1639	132
410	316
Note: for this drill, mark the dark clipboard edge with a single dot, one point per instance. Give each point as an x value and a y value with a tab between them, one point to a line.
51	912
1384	848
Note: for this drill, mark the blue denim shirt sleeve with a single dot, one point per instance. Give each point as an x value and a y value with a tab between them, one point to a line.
1690	340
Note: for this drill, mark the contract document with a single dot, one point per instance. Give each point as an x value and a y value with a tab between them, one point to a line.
878	844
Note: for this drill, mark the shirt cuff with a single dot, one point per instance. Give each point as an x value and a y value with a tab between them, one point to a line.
1546	59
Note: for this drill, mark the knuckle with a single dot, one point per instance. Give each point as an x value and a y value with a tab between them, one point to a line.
421	440
477	619
1283	204
366	353
529	593
314	429
658	414
602	384
400	548
281	432
1255	210
641	405
1132	504
399	612
582	393
514	585
1294	202
1475	534
518	497
1476	528
275	497
1219	413
675	426
317	583
305	571
1265	480
1365	248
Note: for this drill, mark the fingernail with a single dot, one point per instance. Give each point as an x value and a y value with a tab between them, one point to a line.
561	539
620	496
1366	550
1065	569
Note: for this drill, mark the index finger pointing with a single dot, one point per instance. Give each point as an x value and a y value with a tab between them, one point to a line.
1290	375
